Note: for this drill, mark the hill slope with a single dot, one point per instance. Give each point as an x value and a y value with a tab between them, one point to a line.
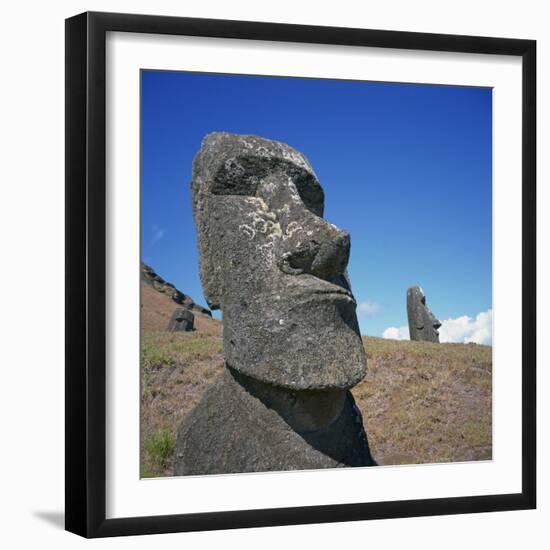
159	300
421	402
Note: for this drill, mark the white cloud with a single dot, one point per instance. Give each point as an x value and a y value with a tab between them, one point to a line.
467	329
461	330
157	233
369	309
396	333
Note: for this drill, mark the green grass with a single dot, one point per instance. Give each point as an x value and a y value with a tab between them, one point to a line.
161	349
159	448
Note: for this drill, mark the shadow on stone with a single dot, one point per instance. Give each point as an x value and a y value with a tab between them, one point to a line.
328	421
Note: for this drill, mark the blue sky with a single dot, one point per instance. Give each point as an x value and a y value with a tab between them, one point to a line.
406	169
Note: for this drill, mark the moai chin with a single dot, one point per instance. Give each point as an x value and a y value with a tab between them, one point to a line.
423	324
291	340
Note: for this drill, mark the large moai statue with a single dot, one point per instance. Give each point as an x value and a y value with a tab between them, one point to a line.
423	324
291	340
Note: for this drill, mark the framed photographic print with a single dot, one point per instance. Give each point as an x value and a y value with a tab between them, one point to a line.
300	274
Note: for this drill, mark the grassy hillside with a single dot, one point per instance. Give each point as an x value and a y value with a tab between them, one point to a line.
421	402
157	309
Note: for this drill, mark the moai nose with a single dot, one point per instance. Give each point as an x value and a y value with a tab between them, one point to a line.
436	323
332	258
309	244
325	257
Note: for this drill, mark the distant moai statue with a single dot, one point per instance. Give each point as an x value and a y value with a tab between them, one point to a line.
423	324
291	340
182	320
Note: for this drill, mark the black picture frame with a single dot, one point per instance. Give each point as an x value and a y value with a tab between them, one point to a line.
86	274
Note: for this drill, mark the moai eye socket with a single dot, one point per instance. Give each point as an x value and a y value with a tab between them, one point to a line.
310	191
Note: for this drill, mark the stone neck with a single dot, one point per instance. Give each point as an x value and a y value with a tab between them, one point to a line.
303	410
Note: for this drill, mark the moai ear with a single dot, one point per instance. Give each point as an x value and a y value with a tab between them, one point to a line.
210	256
415	309
418	315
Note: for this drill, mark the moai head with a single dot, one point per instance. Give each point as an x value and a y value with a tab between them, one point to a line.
182	320
274	266
423	324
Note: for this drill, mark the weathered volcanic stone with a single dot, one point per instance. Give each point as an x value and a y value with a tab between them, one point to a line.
243	425
182	320
291	340
274	266
182	299
423	324
149	276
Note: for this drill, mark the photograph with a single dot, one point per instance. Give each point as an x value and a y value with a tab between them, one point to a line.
316	276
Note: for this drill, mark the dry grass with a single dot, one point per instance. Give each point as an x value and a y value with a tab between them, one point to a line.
421	402
424	402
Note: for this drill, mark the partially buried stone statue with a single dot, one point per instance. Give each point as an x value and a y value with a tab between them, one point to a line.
423	324
291	340
182	320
